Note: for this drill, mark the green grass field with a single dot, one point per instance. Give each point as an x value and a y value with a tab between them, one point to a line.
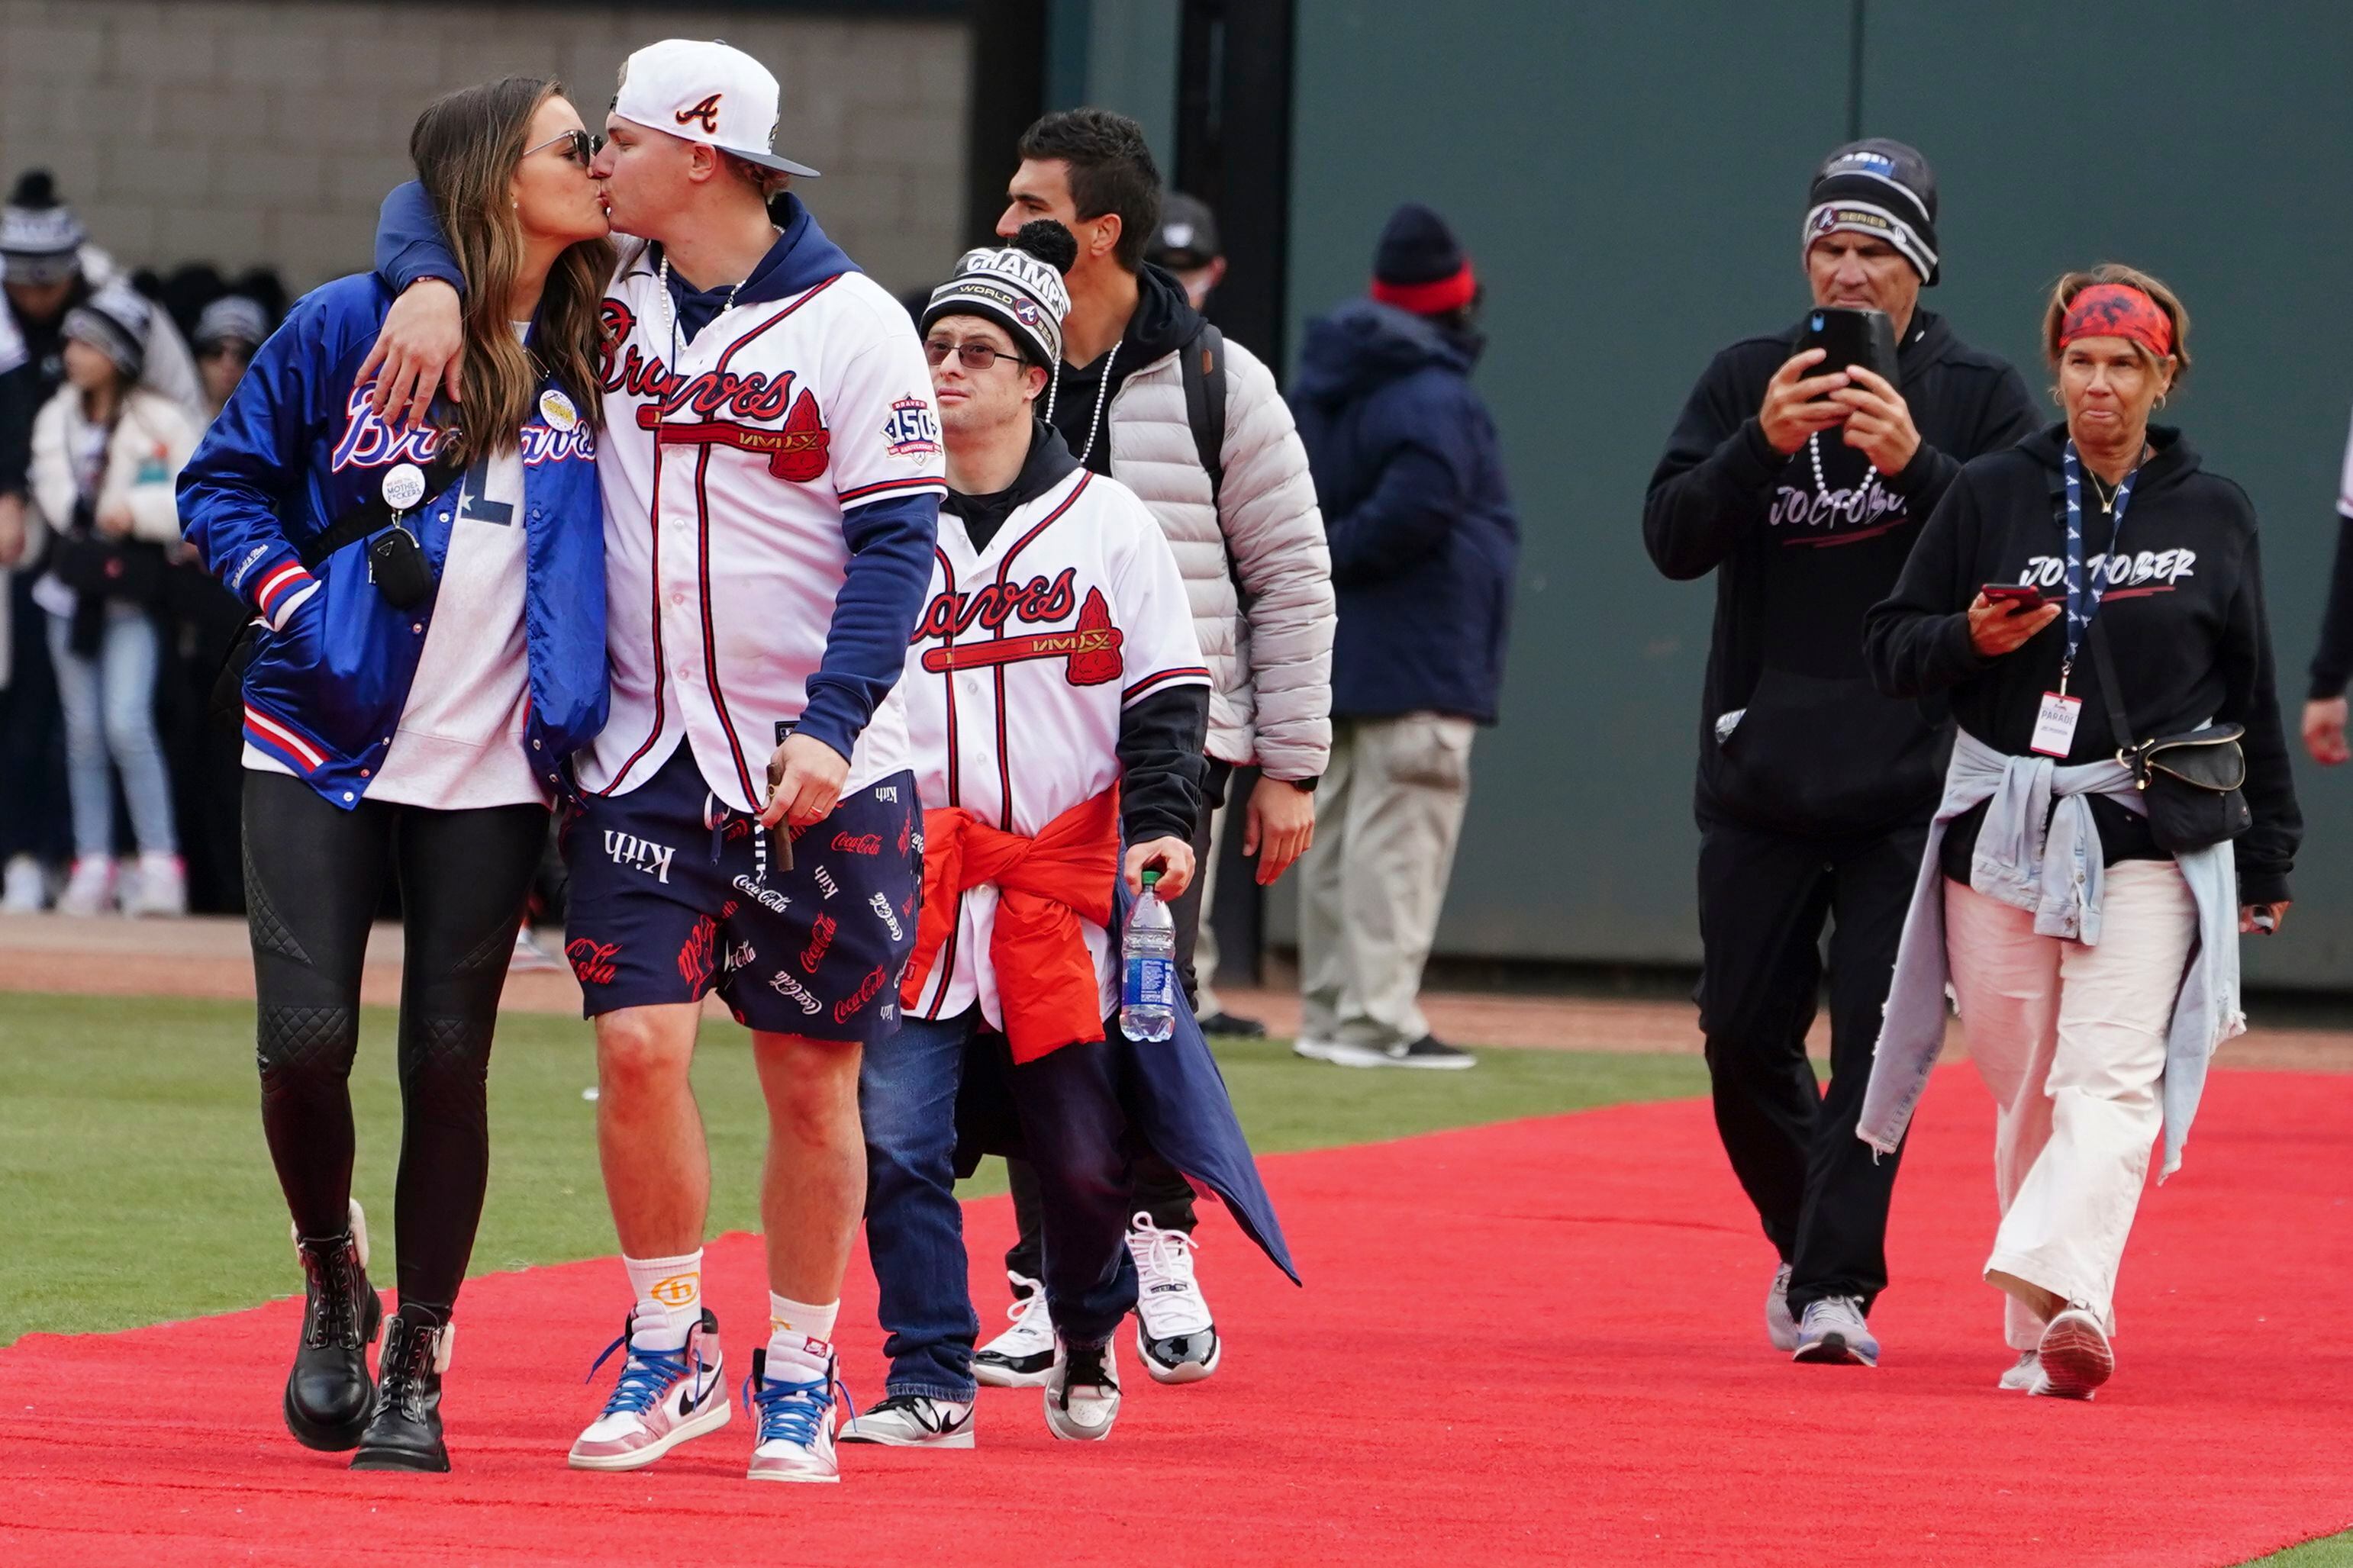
134	1187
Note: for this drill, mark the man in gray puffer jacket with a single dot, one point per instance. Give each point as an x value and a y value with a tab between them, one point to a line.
1257	572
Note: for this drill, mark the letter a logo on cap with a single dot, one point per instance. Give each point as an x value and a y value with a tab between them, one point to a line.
706	112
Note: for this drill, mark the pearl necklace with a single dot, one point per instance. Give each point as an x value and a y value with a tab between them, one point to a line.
1814	453
671	305
1102	392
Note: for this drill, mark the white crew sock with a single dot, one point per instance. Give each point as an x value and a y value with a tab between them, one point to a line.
669	1292
800	1339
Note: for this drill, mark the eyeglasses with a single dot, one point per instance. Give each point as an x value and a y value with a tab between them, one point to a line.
972	355
582	149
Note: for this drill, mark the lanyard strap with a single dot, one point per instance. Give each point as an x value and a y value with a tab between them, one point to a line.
2084	598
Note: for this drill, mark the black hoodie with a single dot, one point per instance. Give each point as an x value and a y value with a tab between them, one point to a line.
1164	322
1815	750
1161	734
2183	613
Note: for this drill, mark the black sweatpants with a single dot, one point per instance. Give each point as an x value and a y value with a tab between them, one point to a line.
1161	1190
313	880
1763	900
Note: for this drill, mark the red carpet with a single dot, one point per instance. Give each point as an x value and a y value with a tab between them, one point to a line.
1537	1342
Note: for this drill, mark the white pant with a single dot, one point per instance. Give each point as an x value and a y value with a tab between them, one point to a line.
1387	815
2071	1039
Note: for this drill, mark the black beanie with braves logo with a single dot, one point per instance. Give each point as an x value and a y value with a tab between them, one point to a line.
1881	188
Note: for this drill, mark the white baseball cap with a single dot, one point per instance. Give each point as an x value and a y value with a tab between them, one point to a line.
709	92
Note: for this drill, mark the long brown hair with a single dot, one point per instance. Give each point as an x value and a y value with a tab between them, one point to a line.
466	146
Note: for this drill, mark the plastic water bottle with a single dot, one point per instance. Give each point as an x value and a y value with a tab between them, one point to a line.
1147	1003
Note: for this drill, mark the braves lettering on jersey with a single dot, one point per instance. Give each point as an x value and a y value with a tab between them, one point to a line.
1027	655
730	462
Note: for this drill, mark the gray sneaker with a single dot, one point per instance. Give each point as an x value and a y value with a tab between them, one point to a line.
1780	1327
1834	1333
1426	1052
2026	1374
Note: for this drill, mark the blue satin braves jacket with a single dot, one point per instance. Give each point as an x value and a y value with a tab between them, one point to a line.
296	448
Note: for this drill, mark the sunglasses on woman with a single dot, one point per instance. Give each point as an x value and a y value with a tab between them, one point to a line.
578	146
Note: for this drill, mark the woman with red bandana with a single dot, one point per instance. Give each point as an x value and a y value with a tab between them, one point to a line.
2081	600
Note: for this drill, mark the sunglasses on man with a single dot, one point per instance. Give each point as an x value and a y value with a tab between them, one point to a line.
972	356
578	146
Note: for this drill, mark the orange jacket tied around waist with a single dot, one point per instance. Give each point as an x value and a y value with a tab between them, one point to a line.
1046	984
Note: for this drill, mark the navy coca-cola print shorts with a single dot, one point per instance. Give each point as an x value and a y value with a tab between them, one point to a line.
674	895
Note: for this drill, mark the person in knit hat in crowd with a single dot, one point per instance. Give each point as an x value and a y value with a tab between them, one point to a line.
1814	791
1057	703
47	266
106	455
226	334
1424	546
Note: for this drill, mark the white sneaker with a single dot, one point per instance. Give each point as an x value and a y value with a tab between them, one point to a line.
23	889
1082	1395
1023	1355
664	1398
90	890
795	1433
2026	1374
913	1421
1174	1333
529	958
1780	1327
158	888
1313	1049
2075	1355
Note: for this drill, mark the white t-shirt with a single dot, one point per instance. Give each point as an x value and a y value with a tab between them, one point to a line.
459	743
460	746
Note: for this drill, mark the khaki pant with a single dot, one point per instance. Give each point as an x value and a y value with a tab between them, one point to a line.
2071	1039
1388	815
1205	946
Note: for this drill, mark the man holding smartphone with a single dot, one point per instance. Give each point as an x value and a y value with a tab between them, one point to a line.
1800	482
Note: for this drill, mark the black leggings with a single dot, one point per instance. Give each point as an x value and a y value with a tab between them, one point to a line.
313	881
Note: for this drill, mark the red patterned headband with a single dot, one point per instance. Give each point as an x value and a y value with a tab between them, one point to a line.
2117	310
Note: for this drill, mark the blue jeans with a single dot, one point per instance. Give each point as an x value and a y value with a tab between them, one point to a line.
110	710
1077	1137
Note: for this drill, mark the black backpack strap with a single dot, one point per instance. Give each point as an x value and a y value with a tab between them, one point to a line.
1204	365
368	516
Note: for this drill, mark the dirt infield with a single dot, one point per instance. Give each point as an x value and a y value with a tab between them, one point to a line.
207	957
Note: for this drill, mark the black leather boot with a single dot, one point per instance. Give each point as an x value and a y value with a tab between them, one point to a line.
405	1432
329	1392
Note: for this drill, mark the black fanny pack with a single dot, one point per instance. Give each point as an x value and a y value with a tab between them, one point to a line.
397	566
2193	783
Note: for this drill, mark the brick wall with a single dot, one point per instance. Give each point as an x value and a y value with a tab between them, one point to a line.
266	131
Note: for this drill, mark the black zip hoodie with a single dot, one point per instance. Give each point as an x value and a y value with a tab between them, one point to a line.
1161	734
1815	748
2183	612
1164	322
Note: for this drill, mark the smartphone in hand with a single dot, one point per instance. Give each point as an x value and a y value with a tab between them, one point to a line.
2022	593
1849	338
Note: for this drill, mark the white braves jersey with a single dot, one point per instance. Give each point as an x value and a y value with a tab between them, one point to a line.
1027	656
725	478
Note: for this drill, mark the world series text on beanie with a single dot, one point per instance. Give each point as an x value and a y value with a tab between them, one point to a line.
1420	265
1019	287
1881	188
